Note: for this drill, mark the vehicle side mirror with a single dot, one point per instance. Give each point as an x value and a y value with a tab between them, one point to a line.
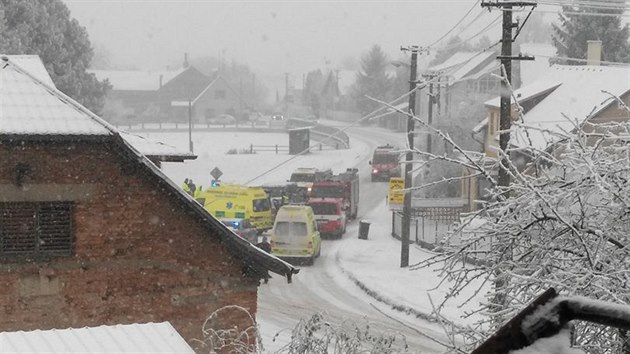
370	162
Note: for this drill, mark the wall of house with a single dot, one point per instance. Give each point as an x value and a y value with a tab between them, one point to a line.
218	99
614	113
138	256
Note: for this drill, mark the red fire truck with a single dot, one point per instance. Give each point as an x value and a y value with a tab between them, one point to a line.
385	163
344	185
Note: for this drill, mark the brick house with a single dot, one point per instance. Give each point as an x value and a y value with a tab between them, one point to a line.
93	233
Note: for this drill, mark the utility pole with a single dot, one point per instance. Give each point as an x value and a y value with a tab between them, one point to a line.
190	142
430	114
505	120
505	111
406	218
286	95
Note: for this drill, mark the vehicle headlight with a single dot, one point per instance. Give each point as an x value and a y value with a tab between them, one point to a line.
374	171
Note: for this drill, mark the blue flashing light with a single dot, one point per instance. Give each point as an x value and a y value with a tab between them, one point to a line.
235	224
215	183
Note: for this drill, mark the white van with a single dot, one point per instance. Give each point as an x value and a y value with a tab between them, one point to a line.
294	236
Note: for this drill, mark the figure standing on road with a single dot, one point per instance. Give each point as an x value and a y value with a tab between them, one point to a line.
186	186
191	187
264	245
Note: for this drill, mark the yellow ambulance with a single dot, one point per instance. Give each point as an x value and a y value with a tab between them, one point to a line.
294	236
234	201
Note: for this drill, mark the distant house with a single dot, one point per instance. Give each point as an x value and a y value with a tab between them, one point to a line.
216	98
567	96
164	96
93	233
465	74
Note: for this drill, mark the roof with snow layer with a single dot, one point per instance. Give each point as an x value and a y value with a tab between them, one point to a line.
136	80
579	96
463	64
145	338
30	109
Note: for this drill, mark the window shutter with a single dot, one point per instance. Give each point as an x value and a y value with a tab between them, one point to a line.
36	229
18	228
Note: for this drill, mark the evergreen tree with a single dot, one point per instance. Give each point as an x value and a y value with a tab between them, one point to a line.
372	80
313	90
45	28
575	29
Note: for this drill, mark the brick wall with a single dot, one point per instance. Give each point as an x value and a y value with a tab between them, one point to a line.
139	257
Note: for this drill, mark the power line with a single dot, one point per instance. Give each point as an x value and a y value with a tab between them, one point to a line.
455	26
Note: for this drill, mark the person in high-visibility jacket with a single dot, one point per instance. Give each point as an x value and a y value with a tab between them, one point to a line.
185	186
198	191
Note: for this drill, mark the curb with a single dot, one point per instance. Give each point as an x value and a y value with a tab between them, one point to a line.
398	307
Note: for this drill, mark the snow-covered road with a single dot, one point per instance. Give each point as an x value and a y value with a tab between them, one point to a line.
325	286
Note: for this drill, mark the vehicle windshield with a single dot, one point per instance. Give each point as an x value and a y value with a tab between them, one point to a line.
383	158
260	205
324	208
302	177
328	192
288	229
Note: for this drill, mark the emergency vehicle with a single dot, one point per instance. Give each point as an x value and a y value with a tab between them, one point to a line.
344	186
234	201
294	236
305	177
330	216
385	163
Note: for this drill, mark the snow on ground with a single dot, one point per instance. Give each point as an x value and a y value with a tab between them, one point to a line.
375	263
212	150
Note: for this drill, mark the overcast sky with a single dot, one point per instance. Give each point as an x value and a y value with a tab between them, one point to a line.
273	37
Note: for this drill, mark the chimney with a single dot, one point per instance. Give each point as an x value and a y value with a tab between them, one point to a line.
594	53
161	78
186	60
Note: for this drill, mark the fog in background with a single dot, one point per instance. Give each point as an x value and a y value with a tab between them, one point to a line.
272	37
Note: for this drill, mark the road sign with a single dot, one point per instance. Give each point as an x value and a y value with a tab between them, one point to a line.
395	195
216	173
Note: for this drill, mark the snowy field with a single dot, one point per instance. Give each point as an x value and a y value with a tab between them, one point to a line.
374	263
253	169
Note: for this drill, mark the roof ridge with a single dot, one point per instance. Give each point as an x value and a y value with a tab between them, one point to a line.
60	95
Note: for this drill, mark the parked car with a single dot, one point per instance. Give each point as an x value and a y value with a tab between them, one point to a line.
243	228
224	119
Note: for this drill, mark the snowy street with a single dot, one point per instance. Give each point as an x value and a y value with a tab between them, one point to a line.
331	284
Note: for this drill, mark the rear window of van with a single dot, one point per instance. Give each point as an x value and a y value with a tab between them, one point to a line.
290	229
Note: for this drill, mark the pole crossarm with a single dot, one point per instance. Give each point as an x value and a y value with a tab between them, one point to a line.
518	57
509	4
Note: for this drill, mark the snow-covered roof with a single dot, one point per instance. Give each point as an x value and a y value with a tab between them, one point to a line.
34	65
135	80
527	92
154	338
30	106
532	70
462	64
579	96
157	149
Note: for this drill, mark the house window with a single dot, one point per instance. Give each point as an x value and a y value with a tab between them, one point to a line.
35	230
219	94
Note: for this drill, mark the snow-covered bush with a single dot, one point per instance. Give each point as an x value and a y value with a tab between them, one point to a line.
315	335
565	224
